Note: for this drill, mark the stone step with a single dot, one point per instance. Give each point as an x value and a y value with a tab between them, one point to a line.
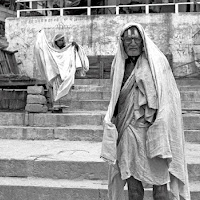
192	136
69	133
102	88
188	81
86	95
189	88
191	120
51	119
87	105
193	161
106	82
98	82
92	105
193	96
52	159
79	95
67	160
48	189
91	88
190	105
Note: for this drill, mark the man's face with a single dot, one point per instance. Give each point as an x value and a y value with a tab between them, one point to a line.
132	41
61	42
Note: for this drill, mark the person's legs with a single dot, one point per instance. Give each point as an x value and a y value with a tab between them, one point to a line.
160	192
135	189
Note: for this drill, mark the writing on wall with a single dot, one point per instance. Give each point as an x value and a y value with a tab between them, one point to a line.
98	35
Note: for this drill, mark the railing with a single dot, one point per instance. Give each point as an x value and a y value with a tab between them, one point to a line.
146	7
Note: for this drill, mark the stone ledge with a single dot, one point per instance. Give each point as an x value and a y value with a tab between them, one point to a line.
36	108
35	90
36	99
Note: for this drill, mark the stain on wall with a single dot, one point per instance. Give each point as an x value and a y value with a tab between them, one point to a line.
98	35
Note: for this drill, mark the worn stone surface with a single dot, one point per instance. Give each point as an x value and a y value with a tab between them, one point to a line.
90	105
87	95
68	159
28	189
36	108
36	99
192	136
26	133
10	119
191	121
190	96
97	82
79	133
190	105
69	133
16	188
66	119
35	90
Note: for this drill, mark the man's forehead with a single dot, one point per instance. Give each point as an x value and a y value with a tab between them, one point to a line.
132	31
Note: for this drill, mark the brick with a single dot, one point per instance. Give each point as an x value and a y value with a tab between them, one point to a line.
36	108
36	99
35	90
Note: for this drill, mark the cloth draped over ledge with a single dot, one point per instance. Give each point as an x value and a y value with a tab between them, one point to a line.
58	66
165	135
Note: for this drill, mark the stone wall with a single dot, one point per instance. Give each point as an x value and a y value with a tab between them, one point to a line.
173	33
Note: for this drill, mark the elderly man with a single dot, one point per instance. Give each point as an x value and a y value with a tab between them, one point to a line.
143	134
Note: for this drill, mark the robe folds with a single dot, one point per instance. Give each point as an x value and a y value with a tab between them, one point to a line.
146	139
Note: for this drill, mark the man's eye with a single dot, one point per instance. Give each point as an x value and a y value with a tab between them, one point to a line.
128	39
137	40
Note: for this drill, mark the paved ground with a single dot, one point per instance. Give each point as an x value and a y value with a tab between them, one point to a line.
67	150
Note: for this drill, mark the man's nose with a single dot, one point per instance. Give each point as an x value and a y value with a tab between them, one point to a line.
133	41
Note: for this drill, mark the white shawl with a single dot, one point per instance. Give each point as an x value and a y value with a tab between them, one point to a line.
165	137
64	62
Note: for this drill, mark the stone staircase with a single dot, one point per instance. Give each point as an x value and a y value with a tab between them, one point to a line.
55	156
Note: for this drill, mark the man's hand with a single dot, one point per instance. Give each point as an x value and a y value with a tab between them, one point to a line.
75	45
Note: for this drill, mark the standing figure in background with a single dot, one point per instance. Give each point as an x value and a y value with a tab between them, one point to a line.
143	137
58	62
59	42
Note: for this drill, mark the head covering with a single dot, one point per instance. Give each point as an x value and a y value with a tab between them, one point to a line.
165	137
56	38
59	36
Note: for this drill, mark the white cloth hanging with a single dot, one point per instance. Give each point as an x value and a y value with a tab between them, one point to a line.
59	63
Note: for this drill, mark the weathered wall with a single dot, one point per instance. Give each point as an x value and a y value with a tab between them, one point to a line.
173	33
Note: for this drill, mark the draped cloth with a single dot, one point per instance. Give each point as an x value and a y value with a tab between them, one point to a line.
152	114
58	66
